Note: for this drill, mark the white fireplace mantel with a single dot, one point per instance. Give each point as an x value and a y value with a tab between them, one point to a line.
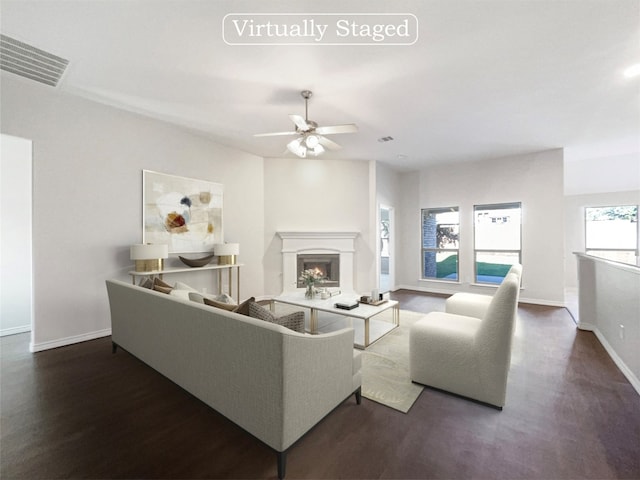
294	243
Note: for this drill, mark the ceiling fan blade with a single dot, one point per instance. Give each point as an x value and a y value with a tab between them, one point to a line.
300	122
330	144
347	128
275	134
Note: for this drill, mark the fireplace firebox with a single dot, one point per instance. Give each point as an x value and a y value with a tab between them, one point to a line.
327	263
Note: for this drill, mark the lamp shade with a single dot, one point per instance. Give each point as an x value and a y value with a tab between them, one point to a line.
224	249
148	251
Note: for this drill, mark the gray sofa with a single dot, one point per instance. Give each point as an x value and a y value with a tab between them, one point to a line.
271	381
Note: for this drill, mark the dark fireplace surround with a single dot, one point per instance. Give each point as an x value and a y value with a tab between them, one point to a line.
327	263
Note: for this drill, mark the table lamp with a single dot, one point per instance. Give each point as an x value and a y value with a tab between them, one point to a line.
149	257
226	253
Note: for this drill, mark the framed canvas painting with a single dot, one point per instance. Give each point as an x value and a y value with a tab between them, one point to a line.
184	213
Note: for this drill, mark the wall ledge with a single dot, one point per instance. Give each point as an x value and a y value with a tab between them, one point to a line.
622	266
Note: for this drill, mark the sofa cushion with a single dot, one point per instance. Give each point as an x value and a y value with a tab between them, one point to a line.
293	321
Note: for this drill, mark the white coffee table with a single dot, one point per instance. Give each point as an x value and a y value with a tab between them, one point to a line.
362	311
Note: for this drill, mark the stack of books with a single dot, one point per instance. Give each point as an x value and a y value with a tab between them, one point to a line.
347	305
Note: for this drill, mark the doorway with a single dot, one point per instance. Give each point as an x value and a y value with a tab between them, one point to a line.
386	280
16	285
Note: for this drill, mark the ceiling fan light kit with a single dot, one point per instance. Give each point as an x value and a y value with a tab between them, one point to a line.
307	145
310	139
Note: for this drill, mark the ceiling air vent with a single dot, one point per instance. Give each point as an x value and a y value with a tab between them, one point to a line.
30	62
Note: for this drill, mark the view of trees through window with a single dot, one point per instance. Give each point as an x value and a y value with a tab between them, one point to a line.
497	240
612	232
440	243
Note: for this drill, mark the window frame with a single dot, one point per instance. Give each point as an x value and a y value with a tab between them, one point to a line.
476	251
437	250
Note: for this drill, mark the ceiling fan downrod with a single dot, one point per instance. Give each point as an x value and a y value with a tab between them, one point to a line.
306	94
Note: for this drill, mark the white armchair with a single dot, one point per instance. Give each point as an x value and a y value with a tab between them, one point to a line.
466	355
475	304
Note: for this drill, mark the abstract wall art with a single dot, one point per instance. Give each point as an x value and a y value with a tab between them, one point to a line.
184	213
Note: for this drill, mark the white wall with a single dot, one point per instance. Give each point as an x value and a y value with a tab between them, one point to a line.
536	180
317	195
610	307
15	235
88	161
408	231
620	173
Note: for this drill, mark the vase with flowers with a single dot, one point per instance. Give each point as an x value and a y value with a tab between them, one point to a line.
310	278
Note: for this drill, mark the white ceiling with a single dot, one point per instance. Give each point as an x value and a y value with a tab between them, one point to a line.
486	78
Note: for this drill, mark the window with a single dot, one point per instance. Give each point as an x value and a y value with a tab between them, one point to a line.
440	243
497	240
612	232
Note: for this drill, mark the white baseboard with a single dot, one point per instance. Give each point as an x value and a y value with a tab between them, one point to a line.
418	288
547	303
15	330
63	342
626	371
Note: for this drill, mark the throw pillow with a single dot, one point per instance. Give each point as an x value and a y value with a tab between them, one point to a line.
223	298
160	283
196	297
293	321
146	282
212	303
243	308
160	286
184	286
178	292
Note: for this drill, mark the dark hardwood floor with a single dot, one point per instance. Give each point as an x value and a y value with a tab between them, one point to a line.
81	412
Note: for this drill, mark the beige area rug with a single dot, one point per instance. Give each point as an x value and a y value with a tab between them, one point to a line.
385	367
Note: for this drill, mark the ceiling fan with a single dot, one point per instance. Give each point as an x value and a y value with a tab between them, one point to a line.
310	139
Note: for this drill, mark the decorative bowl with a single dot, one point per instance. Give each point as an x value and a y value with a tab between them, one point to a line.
196	262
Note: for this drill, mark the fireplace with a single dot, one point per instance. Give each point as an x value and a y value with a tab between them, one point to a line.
319	246
326	263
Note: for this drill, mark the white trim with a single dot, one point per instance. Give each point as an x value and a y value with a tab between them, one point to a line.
626	371
588	327
63	342
444	282
548	303
316	235
294	243
15	330
422	289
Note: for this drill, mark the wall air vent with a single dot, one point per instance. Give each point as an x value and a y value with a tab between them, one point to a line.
30	62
